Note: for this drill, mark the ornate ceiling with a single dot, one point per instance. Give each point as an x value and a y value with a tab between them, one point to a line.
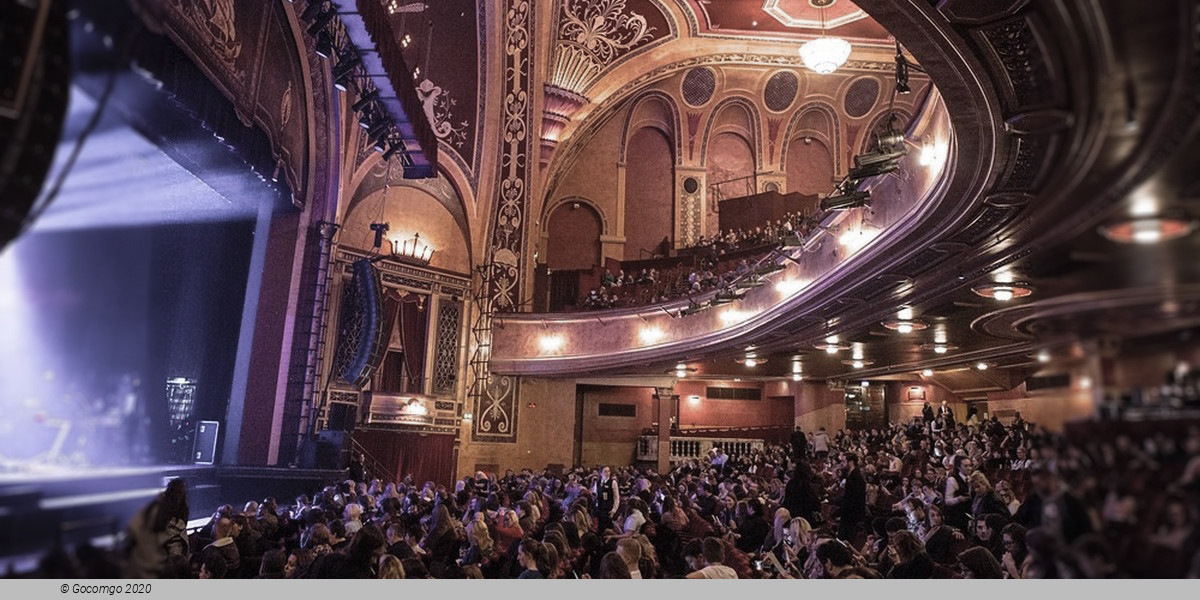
1064	114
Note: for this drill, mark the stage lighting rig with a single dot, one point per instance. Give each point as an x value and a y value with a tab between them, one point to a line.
846	200
380	230
872	170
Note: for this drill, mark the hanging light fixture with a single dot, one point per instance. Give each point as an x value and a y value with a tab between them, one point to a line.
413	249
824	55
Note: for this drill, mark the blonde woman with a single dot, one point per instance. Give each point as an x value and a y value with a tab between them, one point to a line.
390	567
481	548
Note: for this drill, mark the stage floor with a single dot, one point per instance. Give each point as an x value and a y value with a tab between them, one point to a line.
41	505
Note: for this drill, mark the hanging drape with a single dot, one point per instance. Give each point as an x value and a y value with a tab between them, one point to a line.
389	378
414	316
427	457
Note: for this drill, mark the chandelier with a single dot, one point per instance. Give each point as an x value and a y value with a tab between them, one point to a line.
413	249
825	55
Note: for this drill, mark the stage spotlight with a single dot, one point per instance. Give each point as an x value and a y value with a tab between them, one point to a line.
365	99
378	131
324	44
876	157
344	70
846	201
381	144
902	86
891	142
380	230
311	11
321	20
392	150
872	170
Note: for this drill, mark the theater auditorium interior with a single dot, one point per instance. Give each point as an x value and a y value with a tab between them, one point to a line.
461	289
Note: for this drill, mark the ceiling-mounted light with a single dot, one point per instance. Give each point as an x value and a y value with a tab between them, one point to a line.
927	372
1149	229
751	360
825	55
1043	356
831	345
902	86
845	201
393	148
320	20
1003	291
858	363
324	47
343	72
682	370
905	325
981	366
366	98
939	347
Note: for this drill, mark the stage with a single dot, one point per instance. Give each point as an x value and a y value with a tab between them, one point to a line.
45	505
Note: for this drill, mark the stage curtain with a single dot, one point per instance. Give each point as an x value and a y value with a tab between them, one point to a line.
427	457
414	315
389	378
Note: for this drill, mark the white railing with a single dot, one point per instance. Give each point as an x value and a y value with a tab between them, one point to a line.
694	448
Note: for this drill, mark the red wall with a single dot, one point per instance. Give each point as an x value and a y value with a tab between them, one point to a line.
730	413
809	167
649	192
574	238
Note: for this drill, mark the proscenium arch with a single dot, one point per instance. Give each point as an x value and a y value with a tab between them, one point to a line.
793	130
748	105
670	129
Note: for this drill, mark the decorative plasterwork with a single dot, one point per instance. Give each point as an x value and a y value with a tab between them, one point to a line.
439	109
591	35
810	18
577	140
512	198
495	397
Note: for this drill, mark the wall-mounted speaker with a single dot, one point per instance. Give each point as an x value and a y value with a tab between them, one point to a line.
361	342
204	448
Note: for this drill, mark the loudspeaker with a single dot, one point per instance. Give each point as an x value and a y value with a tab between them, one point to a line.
204	447
361	342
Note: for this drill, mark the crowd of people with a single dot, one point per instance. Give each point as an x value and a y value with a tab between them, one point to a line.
714	269
934	498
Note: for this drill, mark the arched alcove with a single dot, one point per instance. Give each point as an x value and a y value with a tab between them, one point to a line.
573	242
408	211
649	192
809	166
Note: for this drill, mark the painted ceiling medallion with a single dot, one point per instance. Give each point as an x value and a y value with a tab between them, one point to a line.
806	13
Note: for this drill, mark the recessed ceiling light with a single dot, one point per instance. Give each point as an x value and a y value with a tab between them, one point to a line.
905	325
1003	291
939	347
1149	229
